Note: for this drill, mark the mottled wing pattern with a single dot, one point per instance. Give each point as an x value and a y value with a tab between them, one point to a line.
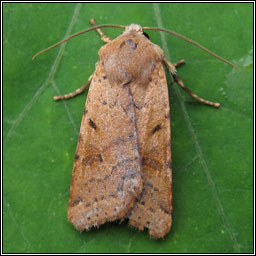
107	171
153	209
123	158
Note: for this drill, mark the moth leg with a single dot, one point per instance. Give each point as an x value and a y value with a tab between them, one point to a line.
177	79
74	93
103	37
179	63
176	65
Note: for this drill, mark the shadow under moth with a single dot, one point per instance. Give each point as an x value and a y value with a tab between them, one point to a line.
123	166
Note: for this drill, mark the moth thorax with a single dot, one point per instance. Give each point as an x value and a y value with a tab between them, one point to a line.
134	27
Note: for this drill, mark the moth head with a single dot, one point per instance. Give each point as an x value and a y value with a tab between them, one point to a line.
134	27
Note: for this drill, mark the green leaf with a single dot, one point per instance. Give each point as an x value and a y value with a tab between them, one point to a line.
211	148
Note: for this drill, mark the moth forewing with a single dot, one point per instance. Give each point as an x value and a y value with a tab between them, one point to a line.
154	208
107	172
125	130
132	61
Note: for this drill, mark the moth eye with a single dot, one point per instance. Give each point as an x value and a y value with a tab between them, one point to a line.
146	35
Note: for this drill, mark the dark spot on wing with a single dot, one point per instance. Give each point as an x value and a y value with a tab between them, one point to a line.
91	180
157	128
76	156
76	201
85	111
92	124
100	158
132	44
122	44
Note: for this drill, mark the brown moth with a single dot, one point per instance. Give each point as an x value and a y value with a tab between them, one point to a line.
123	166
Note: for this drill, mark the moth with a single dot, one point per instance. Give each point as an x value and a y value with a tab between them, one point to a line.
123	166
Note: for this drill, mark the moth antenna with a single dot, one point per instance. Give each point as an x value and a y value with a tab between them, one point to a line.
192	42
77	34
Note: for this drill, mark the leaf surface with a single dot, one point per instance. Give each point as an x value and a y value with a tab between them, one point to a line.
211	148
